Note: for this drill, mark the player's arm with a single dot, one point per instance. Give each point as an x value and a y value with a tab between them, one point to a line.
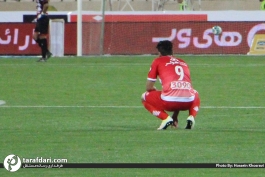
150	86
45	7
152	76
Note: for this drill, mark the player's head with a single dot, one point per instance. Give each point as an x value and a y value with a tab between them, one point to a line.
165	48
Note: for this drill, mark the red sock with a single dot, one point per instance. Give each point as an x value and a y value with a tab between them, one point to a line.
195	105
158	113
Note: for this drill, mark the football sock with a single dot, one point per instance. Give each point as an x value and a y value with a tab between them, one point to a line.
195	106
44	47
193	111
158	113
38	42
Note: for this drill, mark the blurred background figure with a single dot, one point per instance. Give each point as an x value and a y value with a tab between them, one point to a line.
262	4
185	5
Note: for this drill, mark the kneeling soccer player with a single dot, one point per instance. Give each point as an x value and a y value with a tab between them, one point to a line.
177	92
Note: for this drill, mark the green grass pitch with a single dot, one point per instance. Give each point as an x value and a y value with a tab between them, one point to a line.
88	110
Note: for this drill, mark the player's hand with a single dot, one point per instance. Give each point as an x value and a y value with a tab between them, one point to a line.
175	119
175	124
41	15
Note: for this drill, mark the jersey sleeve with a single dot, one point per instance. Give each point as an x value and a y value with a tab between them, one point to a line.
153	72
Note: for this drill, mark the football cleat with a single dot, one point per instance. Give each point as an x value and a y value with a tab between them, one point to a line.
190	122
41	60
49	55
165	123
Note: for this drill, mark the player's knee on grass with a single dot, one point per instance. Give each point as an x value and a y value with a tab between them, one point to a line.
143	96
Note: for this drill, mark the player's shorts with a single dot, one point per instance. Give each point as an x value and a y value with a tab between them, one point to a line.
154	98
42	25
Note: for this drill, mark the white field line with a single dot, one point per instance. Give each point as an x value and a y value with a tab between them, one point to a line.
127	107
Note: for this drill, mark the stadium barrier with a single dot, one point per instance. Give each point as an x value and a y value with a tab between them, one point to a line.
257	45
137	34
56	37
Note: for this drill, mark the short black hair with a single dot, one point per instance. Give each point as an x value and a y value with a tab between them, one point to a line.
165	47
